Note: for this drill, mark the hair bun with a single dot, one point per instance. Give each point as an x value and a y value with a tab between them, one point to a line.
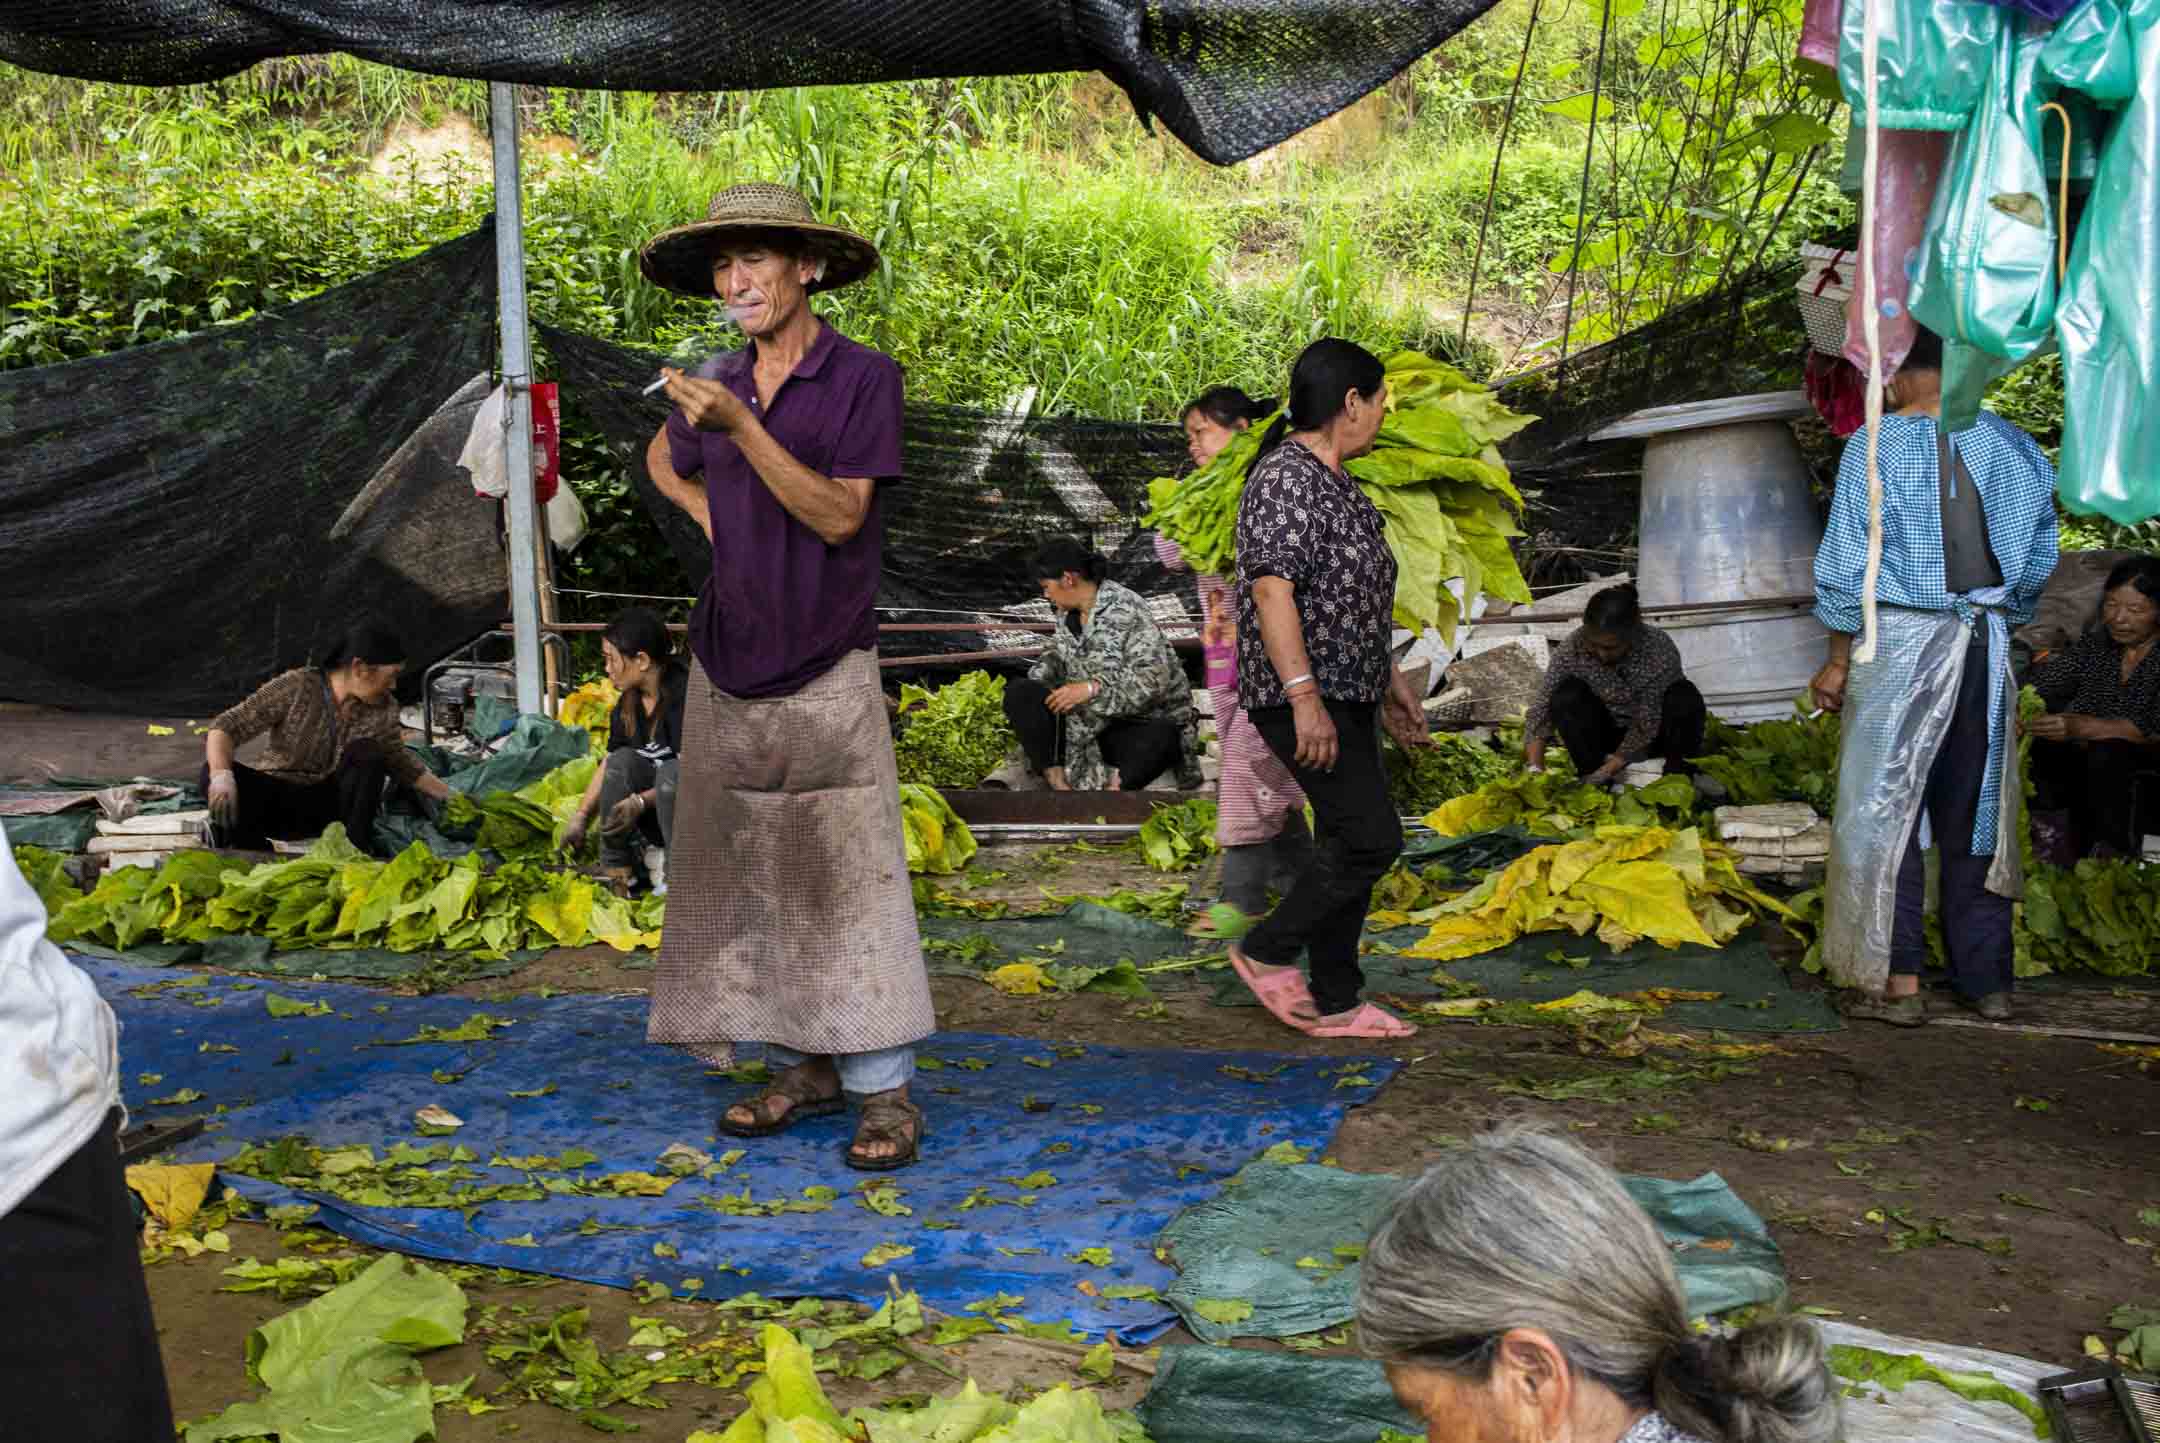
1764	1384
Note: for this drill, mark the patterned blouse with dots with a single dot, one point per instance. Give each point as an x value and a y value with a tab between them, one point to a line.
2087	679
1302	521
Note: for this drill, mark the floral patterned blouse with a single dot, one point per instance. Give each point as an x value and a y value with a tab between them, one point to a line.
1306	523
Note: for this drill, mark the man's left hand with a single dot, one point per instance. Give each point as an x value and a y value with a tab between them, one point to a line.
1070	697
707	405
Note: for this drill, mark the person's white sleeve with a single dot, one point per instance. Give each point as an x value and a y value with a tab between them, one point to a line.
60	1064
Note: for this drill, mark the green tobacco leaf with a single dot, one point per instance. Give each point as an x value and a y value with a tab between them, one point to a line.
1099	1363
885	1253
1093	1257
1892	1372
1223	1311
341	1368
291	1007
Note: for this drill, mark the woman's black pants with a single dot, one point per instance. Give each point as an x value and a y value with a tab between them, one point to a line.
271	806
1138	751
1356	837
1590	730
2101	786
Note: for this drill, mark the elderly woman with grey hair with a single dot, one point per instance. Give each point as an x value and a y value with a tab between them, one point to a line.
1516	1294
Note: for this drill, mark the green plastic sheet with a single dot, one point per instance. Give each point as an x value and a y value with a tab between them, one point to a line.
1931	62
1243	1395
1270	1238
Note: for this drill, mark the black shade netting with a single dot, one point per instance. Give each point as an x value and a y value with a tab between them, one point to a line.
980	493
181	521
1744	338
1228	77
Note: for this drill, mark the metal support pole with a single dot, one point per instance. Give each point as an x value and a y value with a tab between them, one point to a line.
517	378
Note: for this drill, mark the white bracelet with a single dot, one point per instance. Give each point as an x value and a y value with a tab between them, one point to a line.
1296	680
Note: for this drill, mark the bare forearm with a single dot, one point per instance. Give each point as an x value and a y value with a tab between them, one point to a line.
832	507
218	751
688	494
591	799
1840	648
1282	630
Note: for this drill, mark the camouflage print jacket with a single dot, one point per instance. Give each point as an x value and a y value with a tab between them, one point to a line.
1142	680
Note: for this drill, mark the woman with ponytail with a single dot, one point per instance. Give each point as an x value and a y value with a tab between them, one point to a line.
1316	602
1259	808
1516	1291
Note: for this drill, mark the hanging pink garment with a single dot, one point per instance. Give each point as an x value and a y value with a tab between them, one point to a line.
1908	166
1838	391
1819	29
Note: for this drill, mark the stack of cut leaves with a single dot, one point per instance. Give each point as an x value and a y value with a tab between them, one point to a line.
1179	838
787	1405
954	736
521	826
2099	916
1625	883
336	896
938	842
1794	760
1553	804
1451	767
47	877
1435	473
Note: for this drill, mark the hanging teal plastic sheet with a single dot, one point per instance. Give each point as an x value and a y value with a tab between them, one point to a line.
1932	61
1986	276
2108	322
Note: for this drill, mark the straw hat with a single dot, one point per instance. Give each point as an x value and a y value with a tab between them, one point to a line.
681	259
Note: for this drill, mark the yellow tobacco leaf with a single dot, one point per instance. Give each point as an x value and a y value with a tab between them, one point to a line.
157	731
1587	1002
1666	996
1645	897
172	1191
1019	979
1457	1007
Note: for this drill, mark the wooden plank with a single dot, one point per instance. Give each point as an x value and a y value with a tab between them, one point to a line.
2037	1029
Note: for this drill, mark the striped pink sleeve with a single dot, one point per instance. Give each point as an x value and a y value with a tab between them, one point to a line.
1169	553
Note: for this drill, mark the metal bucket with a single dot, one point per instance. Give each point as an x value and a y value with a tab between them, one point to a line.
1726	517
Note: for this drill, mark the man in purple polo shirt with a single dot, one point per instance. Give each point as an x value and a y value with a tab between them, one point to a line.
790	918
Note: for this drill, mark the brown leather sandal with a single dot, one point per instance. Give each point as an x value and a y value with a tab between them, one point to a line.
887	1117
803	1103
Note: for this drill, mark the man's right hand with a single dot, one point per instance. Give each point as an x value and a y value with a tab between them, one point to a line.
1828	686
224	797
1317	744
1533	754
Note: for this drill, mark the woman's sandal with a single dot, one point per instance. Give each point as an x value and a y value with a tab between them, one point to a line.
804	1103
1282	992
887	1117
1367	1021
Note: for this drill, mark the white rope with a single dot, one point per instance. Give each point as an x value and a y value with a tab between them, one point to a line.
1871	327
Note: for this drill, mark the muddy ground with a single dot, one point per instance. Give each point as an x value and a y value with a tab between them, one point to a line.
2005	1171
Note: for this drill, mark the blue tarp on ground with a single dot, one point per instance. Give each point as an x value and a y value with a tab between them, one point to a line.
1131	1136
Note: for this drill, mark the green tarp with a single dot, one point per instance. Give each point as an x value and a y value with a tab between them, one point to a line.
1243	1395
1269	1238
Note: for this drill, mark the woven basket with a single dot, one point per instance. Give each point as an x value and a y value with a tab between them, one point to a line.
1825	285
1452	710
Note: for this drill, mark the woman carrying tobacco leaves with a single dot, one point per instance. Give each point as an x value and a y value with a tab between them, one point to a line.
1259	808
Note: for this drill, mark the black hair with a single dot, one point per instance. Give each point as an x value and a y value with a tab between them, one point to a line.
1926	353
1616	610
366	640
1228	405
639	629
1061	554
1326	371
2142	572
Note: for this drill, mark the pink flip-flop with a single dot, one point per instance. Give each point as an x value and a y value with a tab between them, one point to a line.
1368	1022
1281	992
